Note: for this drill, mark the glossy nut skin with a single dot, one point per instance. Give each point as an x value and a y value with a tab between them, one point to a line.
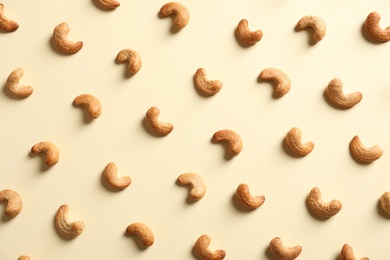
14	204
61	41
6	24
362	153
110	175
179	11
321	208
14	86
204	252
246	199
132	57
91	103
65	228
282	83
204	84
142	231
347	253
314	22
335	94
159	127
231	138
293	140
49	149
374	30
246	35
196	182
281	252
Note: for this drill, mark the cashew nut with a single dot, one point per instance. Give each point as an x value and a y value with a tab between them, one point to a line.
49	149
247	36
321	208
203	250
14	202
281	81
364	154
231	138
6	24
13	84
111	176
61	41
24	257
246	199
374	30
142	231
284	253
337	96
132	57
108	4
91	103
314	22
204	85
161	128
294	142
181	13
65	228
197	184
347	253
385	202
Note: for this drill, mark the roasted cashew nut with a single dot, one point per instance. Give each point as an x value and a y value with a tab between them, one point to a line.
65	228
364	154
294	142
159	127
385	202
337	96
281	252
15	87
373	28
14	202
231	138
61	41
247	36
246	199
321	208
142	231
91	103
197	184
202	249
181	13
205	85
281	81
314	22
347	253
132	57
24	257
108	4
110	174
6	24
49	149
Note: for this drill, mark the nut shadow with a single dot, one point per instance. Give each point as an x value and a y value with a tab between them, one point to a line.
126	73
188	200
137	240
273	84
85	116
310	33
5	217
174	29
43	167
227	155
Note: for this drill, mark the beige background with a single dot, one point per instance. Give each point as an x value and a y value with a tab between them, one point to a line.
166	81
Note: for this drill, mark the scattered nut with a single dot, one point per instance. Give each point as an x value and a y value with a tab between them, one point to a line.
24	257
159	127
385	202
347	253
373	28
111	177
142	231
204	85
321	208
364	154
197	184
203	250
337	96
314	22
49	149
13	84
14	202
108	4
231	138
247	36
60	39
283	253
281	81
91	103
6	24
181	13
246	199
65	228
293	141
132	57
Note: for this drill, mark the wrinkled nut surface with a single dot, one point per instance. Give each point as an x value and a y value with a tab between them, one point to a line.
61	41
364	154
108	4
196	182
50	150
205	85
65	228
347	253
159	127
374	29
132	57
15	87
282	83
385	202
246	35
281	252
91	103
24	257
294	142
231	138
110	174
14	202
203	250
336	95
142	231
314	22
321	208
6	24
246	199
181	13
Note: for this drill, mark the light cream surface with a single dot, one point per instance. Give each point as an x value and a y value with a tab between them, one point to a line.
169	62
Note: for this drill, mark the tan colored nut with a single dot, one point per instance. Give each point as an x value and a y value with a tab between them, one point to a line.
204	85
284	253
15	87
364	154
385	202
110	174
196	182
159	127
247	36
294	142
203	250
6	24
314	22
65	228
24	257
374	29
132	57
246	199
61	41
108	4
347	253
231	138
337	96
142	231
14	202
280	79
91	103
49	149
181	13
321	208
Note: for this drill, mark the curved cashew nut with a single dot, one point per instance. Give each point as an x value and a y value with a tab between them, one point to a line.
364	154
374	30
49	149
13	84
337	96
293	141
347	253
132	57
65	228
24	257
108	4
203	250
142	231
321	208
284	253
91	103
247	36
204	85
6	24
231	138
161	128
181	13
111	176
385	202
61	41
246	199
14	202
281	80
314	22
197	184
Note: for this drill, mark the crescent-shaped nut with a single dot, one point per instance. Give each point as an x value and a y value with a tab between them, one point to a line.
336	95
110	174
108	4
65	228
294	142
230	137
246	199
142	231
321	208
281	252
204	85
159	127
49	149
347	253
61	41
132	57
181	13
15	87
364	154
91	103
6	24
374	29
204	252
14	202
24	257
247	36
385	202
314	22
197	184
282	83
